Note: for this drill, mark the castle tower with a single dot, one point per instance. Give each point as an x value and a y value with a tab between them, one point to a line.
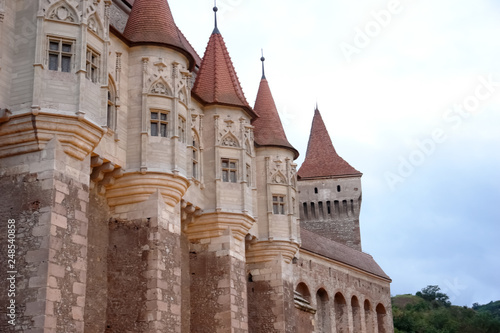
217	237
276	235
330	190
53	82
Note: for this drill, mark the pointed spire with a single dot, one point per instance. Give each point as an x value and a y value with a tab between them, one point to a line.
263	59
217	82
216	30
151	22
322	159
268	130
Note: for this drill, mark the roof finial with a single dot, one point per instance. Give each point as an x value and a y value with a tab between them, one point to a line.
263	59
316	109
216	30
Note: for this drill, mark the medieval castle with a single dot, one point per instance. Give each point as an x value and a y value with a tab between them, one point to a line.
142	193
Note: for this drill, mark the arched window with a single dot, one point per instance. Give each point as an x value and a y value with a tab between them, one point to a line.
381	319
356	314
111	116
323	312
341	318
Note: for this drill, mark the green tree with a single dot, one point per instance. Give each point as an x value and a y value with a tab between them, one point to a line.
432	295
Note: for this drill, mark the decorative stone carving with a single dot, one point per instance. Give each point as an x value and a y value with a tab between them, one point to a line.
63	12
279	178
160	88
94	25
230	141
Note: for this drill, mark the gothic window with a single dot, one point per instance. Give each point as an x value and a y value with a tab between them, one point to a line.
279	204
60	54
182	129
111	111
196	147
229	168
338	188
159	123
92	65
328	208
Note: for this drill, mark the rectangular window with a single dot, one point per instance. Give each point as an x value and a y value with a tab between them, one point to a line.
60	53
229	170
92	65
195	158
279	204
159	123
248	175
182	129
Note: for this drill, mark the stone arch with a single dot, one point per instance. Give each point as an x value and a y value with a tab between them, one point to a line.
229	140
279	178
63	11
381	319
303	291
341	318
95	25
323	312
161	87
356	314
368	317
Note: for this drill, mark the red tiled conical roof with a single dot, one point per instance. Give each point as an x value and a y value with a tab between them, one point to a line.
217	82
268	128
321	158
151	21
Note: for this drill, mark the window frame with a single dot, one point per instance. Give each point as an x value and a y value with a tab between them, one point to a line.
182	129
279	204
92	64
60	53
159	122
229	170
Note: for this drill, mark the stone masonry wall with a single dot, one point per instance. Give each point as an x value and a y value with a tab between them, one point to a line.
96	298
48	198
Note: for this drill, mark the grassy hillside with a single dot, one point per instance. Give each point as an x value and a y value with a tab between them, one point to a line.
429	311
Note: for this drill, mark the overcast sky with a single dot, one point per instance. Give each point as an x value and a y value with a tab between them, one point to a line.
410	93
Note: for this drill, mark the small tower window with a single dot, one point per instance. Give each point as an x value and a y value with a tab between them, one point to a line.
338	188
304	207
60	54
316	190
92	66
248	175
195	148
279	204
159	123
229	170
182	129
